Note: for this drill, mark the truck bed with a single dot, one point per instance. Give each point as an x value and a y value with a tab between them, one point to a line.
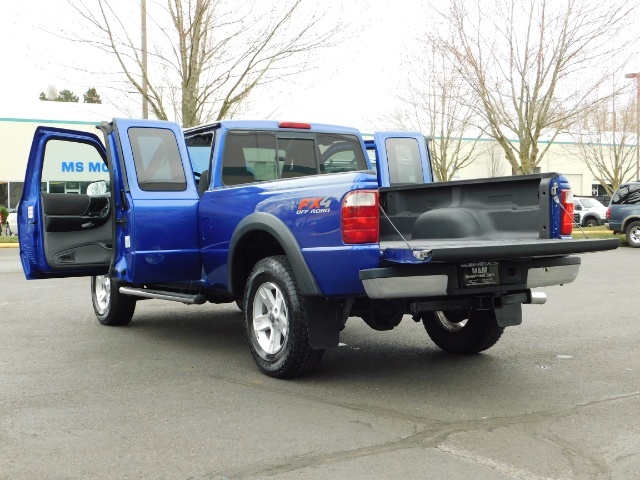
476	220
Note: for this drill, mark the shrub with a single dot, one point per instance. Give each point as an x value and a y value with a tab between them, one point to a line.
4	213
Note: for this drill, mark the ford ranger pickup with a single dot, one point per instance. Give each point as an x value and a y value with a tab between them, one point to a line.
292	222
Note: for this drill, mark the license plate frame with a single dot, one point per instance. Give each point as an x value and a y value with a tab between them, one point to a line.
479	274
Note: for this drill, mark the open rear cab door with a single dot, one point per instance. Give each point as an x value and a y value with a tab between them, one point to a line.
402	158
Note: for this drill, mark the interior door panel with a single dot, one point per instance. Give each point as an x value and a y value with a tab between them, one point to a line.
77	230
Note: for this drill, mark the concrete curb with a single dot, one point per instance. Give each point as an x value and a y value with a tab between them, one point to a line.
9	245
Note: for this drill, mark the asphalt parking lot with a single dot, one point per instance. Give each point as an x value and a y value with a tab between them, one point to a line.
175	394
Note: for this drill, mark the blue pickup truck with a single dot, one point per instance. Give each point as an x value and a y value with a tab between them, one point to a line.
290	221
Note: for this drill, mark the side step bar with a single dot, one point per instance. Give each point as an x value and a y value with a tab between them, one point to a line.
198	299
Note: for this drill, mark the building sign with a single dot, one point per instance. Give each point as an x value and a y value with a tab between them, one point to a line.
80	167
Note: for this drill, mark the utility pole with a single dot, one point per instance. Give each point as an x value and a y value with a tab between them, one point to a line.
145	103
637	77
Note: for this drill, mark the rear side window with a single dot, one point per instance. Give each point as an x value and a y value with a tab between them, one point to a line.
340	153
157	160
255	156
403	156
627	195
299	157
249	157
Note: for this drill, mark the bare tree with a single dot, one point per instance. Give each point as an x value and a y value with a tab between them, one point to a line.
533	65
208	55
52	93
606	142
494	156
436	104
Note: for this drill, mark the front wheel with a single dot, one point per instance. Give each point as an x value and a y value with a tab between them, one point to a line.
111	307
633	234
275	321
591	222
7	230
458	331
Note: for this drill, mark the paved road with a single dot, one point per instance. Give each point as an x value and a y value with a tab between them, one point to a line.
175	394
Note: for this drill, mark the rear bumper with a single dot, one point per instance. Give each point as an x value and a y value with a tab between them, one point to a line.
434	280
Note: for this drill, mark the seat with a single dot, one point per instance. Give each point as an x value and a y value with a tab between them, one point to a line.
203	184
234	166
299	160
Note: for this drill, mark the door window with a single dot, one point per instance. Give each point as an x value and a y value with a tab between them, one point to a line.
403	155
157	160
69	167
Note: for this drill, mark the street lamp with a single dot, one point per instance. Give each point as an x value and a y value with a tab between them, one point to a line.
637	77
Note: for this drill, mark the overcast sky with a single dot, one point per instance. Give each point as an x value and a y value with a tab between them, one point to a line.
354	83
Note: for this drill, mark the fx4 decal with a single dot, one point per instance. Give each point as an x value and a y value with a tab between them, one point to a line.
314	205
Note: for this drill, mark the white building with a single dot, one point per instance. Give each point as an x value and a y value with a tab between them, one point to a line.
564	156
17	126
71	172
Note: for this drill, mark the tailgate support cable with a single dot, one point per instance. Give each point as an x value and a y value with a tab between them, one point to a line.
421	255
557	200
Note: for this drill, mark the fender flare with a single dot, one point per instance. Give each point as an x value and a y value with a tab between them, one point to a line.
631	218
260	221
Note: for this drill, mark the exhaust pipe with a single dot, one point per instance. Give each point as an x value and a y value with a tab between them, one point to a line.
537	298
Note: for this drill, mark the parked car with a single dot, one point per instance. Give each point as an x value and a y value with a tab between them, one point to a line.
589	212
11	227
624	212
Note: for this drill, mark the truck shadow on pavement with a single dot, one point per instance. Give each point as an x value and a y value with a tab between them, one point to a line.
215	334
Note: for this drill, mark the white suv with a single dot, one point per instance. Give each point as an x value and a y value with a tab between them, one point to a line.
12	223
589	212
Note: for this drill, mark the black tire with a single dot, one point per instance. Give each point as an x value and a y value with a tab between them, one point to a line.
111	307
633	234
472	333
591	222
8	231
279	343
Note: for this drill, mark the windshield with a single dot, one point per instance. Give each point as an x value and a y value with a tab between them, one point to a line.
591	202
199	148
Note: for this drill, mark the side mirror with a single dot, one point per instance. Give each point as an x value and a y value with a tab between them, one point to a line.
578	208
98	188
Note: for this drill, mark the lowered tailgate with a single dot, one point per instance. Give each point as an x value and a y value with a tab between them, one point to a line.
470	267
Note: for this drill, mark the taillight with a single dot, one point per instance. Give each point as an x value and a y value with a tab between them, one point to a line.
360	217
609	213
566	199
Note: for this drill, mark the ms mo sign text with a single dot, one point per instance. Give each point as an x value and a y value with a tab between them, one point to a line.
79	167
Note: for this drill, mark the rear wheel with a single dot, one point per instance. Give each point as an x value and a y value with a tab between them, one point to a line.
275	321
633	234
111	307
460	331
